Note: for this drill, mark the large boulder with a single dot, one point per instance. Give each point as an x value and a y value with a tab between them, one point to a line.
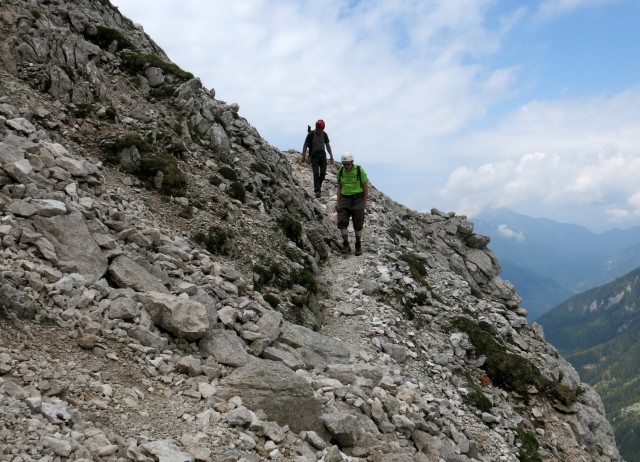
283	395
75	249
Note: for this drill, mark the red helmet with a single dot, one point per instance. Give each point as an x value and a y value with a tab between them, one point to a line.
320	124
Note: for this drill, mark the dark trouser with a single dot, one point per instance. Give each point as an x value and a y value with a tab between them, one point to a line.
319	167
351	207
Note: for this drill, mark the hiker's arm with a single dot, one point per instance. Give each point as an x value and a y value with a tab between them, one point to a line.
304	151
338	195
365	192
330	152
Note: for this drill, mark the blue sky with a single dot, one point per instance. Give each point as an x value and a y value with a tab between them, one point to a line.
454	104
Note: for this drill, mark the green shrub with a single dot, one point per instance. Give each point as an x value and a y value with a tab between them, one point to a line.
151	161
133	139
161	93
228	173
400	231
110	113
476	293
134	63
236	191
408	301
106	36
83	110
216	241
267	274
186	212
476	397
291	228
529	445
299	300
45	320
259	167
271	299
174	182
304	277
215	180
416	267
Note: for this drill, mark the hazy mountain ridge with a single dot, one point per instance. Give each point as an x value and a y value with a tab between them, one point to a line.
570	255
597	331
171	291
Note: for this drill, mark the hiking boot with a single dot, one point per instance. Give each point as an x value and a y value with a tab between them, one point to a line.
358	248
317	193
346	248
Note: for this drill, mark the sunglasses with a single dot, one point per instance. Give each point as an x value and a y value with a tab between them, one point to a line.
347	163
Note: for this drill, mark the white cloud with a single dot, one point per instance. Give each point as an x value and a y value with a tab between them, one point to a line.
509	233
549	183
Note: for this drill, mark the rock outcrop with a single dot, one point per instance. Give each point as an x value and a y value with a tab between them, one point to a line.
169	289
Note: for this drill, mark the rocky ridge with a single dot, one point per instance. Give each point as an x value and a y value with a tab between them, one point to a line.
171	291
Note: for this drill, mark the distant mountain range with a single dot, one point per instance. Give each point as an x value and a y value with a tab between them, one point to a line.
549	261
597	331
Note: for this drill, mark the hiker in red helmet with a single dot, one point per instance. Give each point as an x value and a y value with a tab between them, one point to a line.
315	142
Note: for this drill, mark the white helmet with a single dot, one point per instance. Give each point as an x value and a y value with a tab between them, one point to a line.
347	157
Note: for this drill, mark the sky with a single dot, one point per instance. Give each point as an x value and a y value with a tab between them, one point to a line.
460	105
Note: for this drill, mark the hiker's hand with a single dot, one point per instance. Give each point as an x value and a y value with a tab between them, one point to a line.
331	160
302	159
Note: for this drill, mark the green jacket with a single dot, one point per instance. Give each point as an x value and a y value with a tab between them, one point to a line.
352	180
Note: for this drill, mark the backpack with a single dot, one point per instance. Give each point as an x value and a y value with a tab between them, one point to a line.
340	173
311	138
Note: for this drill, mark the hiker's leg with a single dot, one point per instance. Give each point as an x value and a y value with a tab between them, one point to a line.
316	168
358	224
343	218
358	215
323	170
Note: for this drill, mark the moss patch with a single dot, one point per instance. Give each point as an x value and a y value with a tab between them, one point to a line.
507	370
271	299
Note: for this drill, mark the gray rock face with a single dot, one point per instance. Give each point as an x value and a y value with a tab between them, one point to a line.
75	249
315	347
272	387
225	346
128	274
154	337
183	318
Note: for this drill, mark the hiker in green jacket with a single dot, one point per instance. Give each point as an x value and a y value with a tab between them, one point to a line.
352	196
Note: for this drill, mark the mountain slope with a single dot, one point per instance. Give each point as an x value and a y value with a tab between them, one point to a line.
539	294
597	332
170	290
